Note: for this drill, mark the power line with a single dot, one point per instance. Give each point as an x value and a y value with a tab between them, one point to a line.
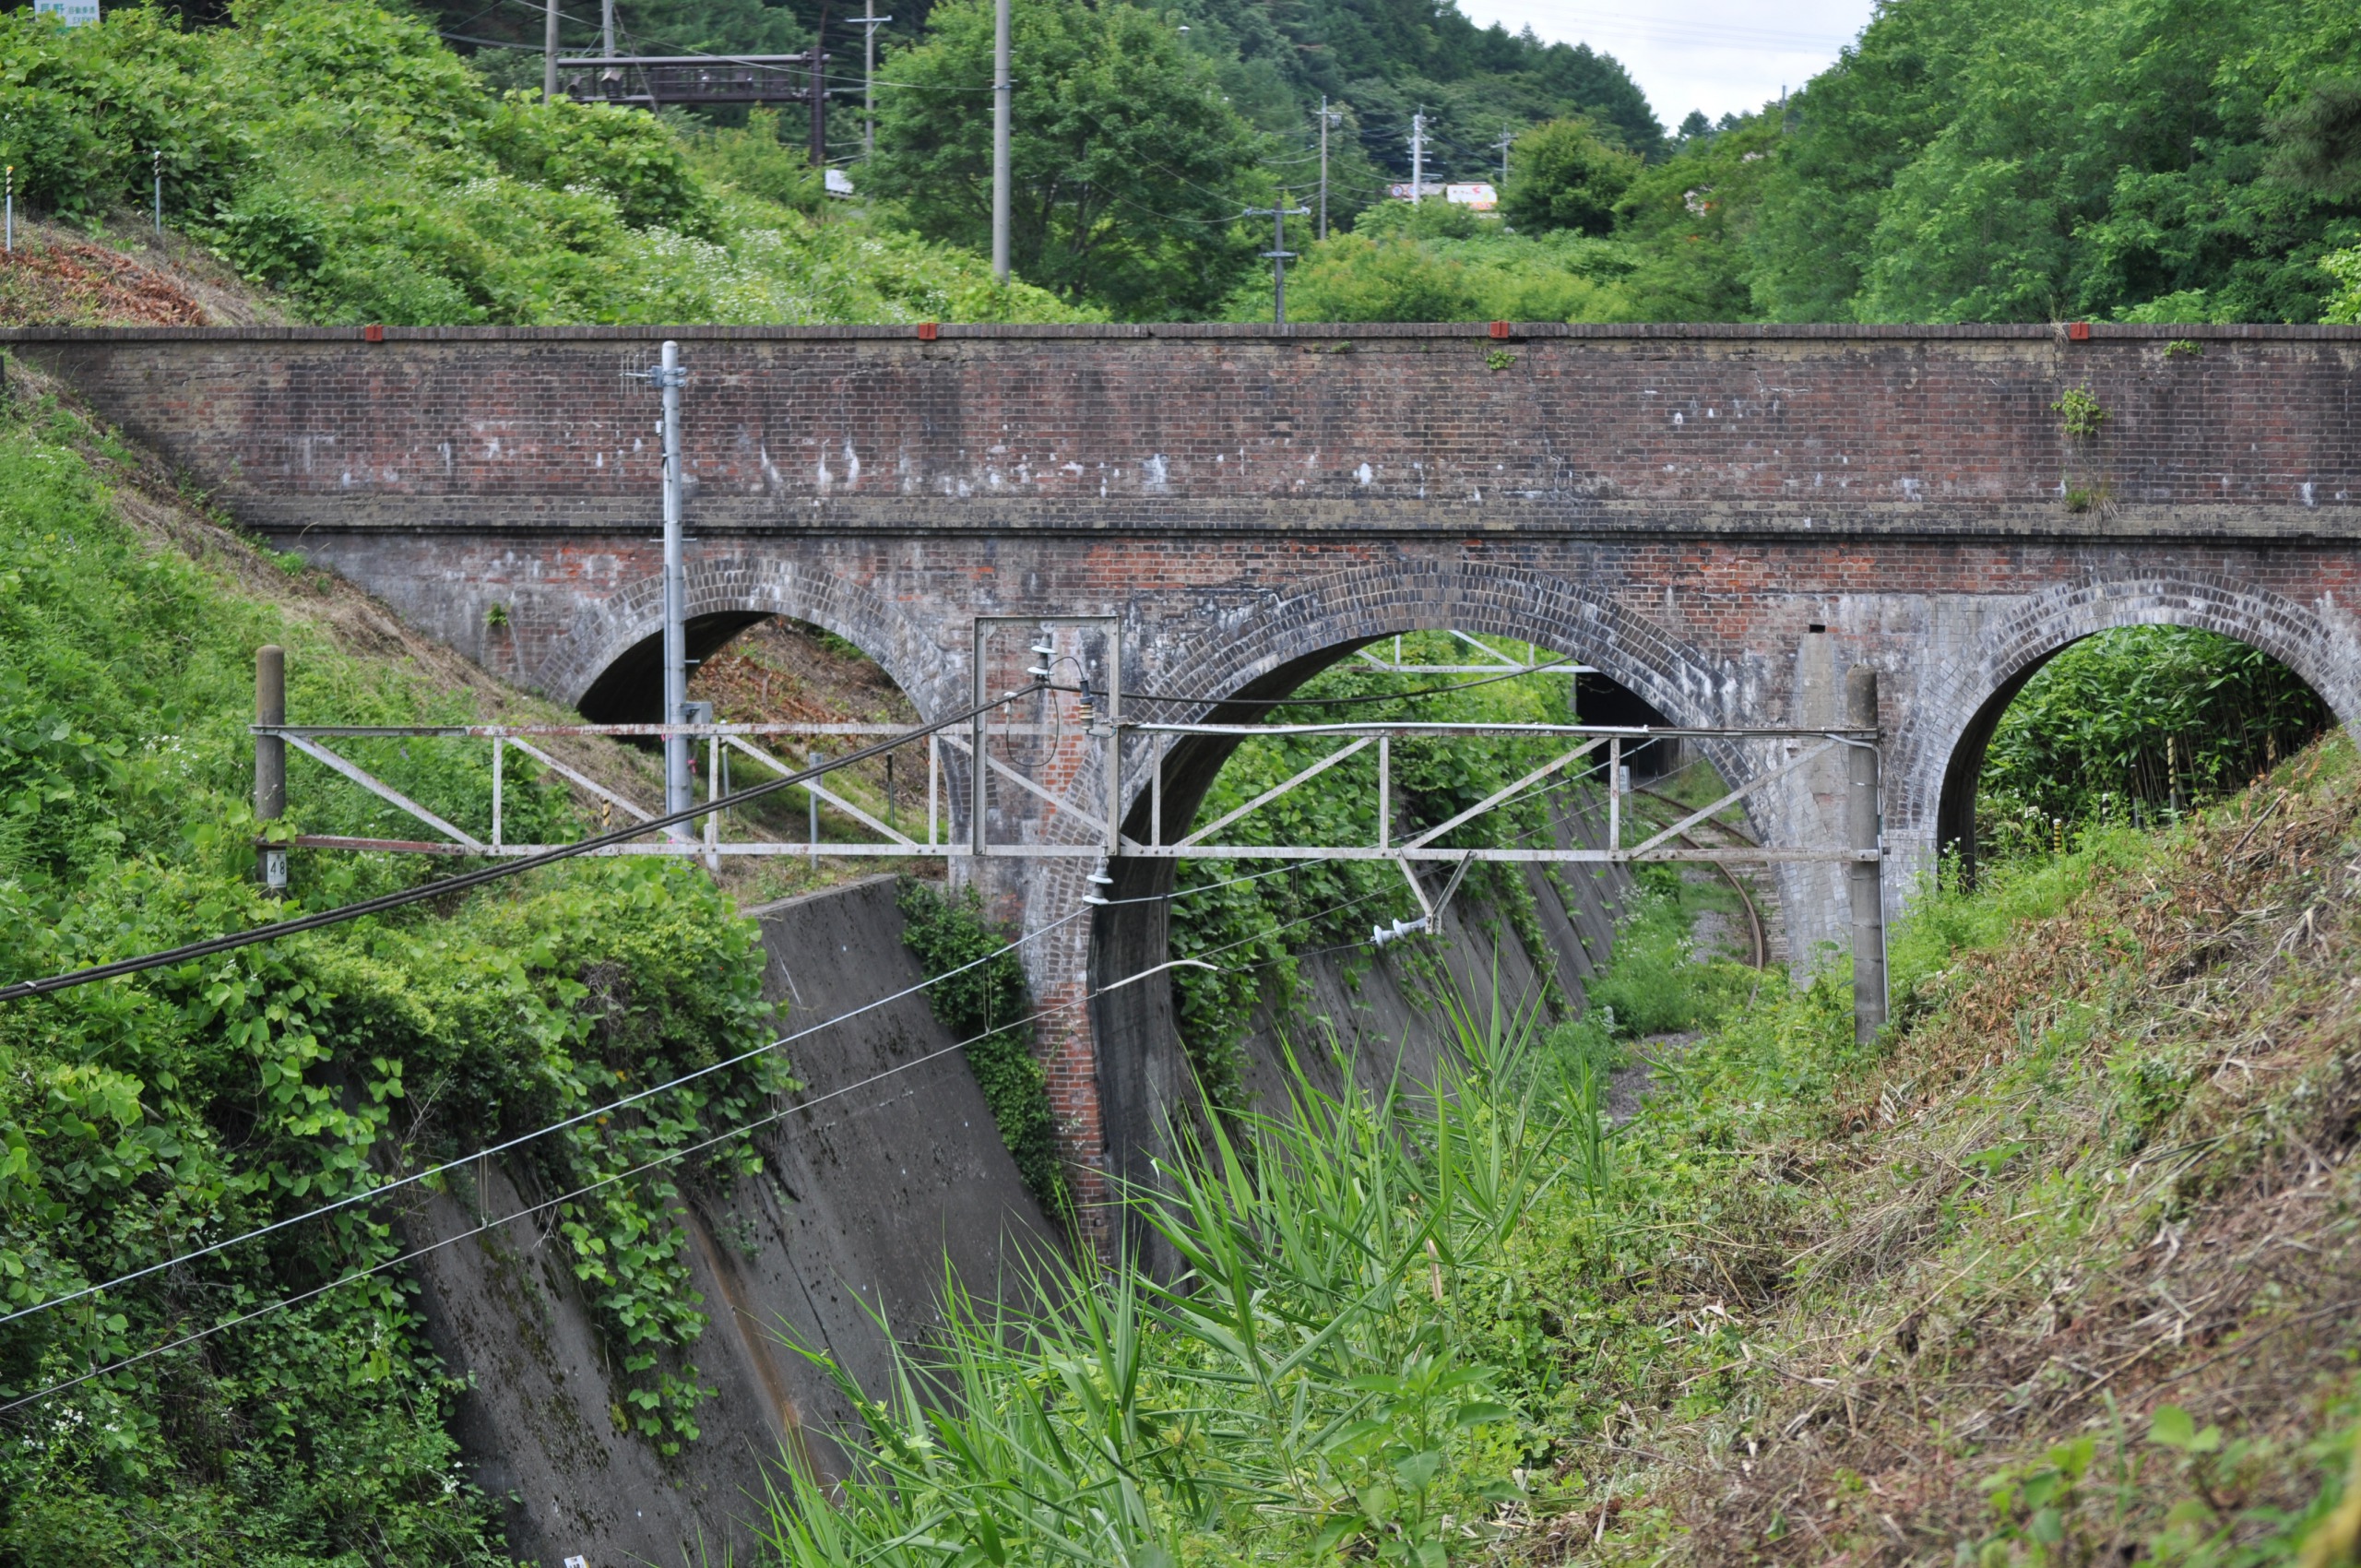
461	1161
672	1156
445	887
668	1157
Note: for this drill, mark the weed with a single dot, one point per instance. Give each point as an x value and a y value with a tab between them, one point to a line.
2081	413
1308	1386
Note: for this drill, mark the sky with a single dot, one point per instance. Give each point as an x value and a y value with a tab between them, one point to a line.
1723	56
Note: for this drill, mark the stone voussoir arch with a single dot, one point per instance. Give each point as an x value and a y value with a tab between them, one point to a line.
1332	611
1251	640
606	630
2319	645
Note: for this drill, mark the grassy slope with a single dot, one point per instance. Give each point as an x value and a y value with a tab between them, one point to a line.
1926	1303
138	1117
339	155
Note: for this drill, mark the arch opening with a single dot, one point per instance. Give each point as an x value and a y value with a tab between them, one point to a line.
2131	726
1294	940
630	690
762	668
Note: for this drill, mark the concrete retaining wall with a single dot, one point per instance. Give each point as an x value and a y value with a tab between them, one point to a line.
1384	1008
861	1197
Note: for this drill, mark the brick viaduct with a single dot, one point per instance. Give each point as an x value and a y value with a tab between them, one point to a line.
1722	518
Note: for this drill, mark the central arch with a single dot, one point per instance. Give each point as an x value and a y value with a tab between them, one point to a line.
1268	648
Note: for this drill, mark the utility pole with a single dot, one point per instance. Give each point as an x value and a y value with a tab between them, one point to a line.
868	79
669	377
819	93
1324	166
1417	155
270	759
549	55
1278	253
606	26
1503	143
1001	107
869	22
156	164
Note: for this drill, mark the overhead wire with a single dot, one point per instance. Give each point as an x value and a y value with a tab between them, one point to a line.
445	887
667	1158
674	1155
458	1162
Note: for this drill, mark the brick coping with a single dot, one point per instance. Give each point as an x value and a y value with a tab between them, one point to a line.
1307	331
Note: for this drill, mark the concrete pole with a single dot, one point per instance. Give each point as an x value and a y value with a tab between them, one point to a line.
1280	261
869	91
270	757
677	795
606	26
1867	878
1001	108
1324	166
1417	155
819	93
549	55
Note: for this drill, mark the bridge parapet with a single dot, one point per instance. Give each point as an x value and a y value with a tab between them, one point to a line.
2194	431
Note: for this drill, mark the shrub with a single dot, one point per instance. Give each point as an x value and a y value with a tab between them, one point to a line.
1565	176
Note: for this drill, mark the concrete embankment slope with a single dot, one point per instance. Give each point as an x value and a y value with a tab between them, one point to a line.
1385	1009
861	1197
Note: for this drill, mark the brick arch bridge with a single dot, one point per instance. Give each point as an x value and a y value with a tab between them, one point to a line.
1723	518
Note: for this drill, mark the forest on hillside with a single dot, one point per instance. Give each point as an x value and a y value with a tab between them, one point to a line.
1963	160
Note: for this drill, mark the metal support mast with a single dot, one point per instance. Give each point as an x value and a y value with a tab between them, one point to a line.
669	377
1865	877
270	758
1002	108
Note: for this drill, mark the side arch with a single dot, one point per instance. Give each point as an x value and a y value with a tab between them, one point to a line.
1939	747
610	639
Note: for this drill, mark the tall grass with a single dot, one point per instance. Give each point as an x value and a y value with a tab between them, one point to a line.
1300	1388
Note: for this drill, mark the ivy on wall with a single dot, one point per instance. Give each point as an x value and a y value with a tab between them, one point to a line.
988	1006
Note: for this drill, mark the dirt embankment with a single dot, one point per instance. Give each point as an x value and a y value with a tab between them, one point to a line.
122	273
2072	1273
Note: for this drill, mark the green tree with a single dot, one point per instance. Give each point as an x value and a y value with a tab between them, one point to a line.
1357	277
1439	262
1689	224
1562	175
2003	161
1130	169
